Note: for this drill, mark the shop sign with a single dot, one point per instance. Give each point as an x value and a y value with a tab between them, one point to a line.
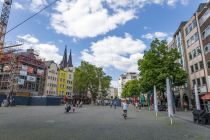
6	68
31	78
30	70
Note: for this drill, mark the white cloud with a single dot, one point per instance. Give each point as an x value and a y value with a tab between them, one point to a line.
83	18
172	2
121	53
90	18
159	35
46	50
184	2
17	5
36	5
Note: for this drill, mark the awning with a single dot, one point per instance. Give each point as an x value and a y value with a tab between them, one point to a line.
206	97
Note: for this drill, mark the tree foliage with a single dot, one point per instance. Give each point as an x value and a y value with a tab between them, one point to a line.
158	63
131	89
86	78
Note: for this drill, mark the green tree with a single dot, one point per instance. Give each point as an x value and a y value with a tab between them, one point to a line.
158	63
86	78
131	88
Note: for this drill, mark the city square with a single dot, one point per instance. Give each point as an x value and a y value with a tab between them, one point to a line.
105	70
94	122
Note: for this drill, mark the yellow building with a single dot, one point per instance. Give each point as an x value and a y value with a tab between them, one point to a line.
62	82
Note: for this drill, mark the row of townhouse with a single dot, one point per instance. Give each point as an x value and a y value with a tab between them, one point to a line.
26	74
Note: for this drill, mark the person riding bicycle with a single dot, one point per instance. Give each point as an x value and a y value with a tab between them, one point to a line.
125	107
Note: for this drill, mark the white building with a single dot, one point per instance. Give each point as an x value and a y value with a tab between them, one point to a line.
51	78
124	78
70	77
112	92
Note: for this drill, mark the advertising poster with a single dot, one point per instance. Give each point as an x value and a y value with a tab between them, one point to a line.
30	70
24	67
31	78
40	72
6	68
23	73
21	81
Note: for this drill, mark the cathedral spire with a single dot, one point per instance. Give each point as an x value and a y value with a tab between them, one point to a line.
70	60
64	60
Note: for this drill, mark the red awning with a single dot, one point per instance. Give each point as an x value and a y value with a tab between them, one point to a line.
206	97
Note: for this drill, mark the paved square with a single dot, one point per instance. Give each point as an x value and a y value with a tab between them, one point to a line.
93	123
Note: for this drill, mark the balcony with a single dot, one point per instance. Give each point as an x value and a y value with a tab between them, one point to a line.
204	17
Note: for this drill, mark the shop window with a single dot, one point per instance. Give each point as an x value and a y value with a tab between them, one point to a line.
203	80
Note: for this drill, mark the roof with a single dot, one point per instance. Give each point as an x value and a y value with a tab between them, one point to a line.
182	24
201	6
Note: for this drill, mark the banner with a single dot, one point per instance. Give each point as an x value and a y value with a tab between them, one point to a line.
23	73
21	81
24	67
6	68
40	72
30	70
31	78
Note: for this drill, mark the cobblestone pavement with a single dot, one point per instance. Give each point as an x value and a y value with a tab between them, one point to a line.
93	123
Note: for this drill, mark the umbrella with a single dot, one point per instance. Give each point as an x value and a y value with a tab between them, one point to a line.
206	97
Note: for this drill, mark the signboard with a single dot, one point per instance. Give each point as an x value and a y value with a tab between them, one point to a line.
30	70
6	68
40	72
23	73
24	67
203	89
21	81
31	78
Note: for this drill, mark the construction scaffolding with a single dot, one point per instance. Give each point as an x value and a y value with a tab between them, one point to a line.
21	73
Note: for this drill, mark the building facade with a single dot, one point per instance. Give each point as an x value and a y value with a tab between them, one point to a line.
182	93
192	41
112	92
66	75
196	38
51	75
124	78
62	82
22	74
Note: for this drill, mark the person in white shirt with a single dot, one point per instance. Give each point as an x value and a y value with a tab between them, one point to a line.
125	106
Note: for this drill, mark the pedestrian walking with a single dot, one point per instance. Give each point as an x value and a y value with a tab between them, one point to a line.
77	103
115	104
110	103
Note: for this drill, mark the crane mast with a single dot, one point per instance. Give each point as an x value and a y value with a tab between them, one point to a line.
4	21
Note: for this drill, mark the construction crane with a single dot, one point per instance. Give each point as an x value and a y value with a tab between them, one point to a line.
4	21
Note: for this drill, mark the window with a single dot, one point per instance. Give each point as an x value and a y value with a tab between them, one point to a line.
194	53
194	82
204	17
201	64
208	64
190	56
193	39
192	69
206	32
190	27
198	82
196	67
207	48
203	80
198	49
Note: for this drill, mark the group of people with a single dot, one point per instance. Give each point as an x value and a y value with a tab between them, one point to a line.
9	101
75	103
113	103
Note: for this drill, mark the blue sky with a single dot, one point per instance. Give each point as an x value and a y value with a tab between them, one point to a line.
112	34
